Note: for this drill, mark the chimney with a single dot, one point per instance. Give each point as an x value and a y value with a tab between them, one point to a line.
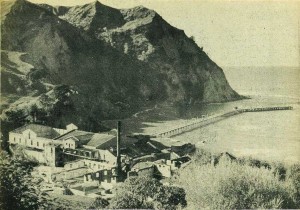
118	148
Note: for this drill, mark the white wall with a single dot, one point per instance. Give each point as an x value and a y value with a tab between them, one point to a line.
32	142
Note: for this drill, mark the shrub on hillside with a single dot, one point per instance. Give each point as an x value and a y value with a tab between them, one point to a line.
231	185
147	193
202	156
99	203
293	179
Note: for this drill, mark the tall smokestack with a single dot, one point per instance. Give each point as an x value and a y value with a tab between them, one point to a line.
118	147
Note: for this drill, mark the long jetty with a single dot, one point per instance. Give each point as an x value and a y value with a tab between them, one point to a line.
264	109
204	121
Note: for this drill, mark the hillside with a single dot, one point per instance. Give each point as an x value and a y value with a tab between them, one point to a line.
141	33
87	63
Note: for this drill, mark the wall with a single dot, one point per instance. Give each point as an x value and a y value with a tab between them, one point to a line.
23	139
107	156
164	169
69	143
74	164
50	154
37	155
69	174
97	165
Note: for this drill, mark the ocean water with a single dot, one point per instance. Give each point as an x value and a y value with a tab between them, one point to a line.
271	136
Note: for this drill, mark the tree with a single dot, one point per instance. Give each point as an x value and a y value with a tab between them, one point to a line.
18	117
147	193
38	114
170	197
18	189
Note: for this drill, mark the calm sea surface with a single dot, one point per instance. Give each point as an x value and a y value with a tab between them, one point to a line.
272	136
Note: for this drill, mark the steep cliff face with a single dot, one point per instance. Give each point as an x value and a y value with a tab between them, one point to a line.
141	33
96	62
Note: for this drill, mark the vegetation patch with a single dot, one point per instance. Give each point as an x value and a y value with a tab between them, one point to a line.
239	184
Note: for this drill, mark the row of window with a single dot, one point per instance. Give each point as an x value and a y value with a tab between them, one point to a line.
69	145
31	142
98	175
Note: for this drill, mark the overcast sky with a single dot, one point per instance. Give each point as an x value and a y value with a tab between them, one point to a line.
233	33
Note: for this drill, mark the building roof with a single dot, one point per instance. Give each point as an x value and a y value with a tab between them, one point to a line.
83	136
40	130
157	145
183	150
99	139
129	146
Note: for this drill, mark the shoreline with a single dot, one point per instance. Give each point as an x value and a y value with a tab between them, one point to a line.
276	133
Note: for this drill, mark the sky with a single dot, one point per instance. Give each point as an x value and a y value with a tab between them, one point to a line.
232	33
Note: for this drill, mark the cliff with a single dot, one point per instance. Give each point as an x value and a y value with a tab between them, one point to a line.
93	62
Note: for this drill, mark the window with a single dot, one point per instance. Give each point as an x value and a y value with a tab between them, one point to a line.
43	144
69	145
51	150
37	144
31	142
97	174
29	135
14	139
105	172
19	140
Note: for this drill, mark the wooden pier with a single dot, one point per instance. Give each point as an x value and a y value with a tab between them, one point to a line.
204	121
264	109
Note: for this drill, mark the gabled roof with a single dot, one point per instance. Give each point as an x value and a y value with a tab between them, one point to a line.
72	137
99	139
112	143
157	145
40	130
83	136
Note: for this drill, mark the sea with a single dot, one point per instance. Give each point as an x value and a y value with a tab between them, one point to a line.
270	136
